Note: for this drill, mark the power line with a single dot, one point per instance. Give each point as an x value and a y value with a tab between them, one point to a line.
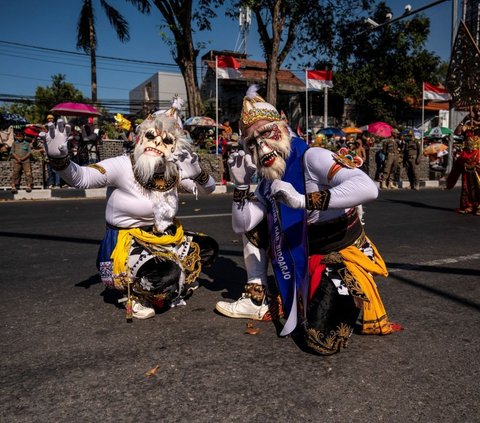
77	65
121	59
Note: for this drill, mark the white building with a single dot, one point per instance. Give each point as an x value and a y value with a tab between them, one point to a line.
157	92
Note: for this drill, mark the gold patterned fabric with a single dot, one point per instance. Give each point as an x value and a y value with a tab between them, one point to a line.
318	200
343	295
330	343
202	178
120	253
255	108
362	269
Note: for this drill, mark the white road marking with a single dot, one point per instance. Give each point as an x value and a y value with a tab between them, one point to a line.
447	260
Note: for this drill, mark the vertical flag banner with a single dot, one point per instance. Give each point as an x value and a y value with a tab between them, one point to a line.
432	92
228	68
318	80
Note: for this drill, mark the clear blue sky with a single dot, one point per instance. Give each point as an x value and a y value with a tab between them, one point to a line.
53	23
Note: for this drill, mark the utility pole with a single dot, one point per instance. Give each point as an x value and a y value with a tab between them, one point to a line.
244	21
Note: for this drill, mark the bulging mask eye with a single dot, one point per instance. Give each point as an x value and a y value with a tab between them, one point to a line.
168	140
150	135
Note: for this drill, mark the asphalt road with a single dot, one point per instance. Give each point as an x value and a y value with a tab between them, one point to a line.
67	353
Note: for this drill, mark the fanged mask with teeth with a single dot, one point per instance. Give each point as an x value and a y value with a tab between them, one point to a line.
269	146
157	141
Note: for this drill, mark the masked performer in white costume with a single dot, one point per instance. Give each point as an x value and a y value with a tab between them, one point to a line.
303	216
145	252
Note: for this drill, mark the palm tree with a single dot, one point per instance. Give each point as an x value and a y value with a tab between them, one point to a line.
87	35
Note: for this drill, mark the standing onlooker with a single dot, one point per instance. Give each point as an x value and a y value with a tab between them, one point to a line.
411	159
20	157
227	128
467	166
223	145
392	156
380	165
53	178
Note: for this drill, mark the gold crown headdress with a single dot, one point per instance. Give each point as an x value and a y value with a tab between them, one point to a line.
255	108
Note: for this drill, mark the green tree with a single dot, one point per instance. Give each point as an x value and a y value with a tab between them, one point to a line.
380	72
181	18
36	111
297	29
47	97
87	33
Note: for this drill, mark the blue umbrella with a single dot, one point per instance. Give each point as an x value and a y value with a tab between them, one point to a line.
331	132
416	132
7	119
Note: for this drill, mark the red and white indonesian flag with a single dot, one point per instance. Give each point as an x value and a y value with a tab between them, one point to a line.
432	92
227	68
318	80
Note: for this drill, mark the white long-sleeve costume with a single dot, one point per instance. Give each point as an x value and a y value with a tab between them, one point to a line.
349	187
129	205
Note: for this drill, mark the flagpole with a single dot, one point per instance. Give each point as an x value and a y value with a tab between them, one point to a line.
306	104
423	118
325	107
216	104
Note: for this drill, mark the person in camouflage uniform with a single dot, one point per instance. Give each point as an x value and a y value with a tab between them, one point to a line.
411	159
392	155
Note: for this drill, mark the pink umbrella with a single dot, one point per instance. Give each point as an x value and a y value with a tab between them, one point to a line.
75	109
380	129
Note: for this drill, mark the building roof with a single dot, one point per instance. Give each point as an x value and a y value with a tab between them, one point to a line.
256	71
437	105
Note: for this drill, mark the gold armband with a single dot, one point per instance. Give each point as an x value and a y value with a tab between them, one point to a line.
240	195
202	178
318	200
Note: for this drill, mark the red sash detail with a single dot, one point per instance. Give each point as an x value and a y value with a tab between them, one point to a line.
315	270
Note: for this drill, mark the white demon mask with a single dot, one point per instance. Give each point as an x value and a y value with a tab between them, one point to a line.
159	138
269	145
265	135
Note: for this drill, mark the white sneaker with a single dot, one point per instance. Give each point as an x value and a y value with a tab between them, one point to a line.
142	312
243	308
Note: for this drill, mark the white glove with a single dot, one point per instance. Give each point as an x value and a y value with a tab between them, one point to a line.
56	139
241	169
287	194
188	164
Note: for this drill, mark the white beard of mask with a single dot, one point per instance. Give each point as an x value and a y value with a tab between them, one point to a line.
145	167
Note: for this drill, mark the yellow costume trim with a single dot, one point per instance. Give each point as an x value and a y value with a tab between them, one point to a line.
101	169
375	319
120	253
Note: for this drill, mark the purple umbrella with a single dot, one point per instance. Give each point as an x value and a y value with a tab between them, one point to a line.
75	109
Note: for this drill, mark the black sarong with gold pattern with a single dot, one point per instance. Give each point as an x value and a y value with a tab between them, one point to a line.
331	311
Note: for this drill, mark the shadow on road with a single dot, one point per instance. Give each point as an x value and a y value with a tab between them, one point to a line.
50	238
439	292
419	205
226	274
433	269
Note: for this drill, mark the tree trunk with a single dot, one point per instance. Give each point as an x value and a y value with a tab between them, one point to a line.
186	60
93	61
273	61
195	105
272	85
